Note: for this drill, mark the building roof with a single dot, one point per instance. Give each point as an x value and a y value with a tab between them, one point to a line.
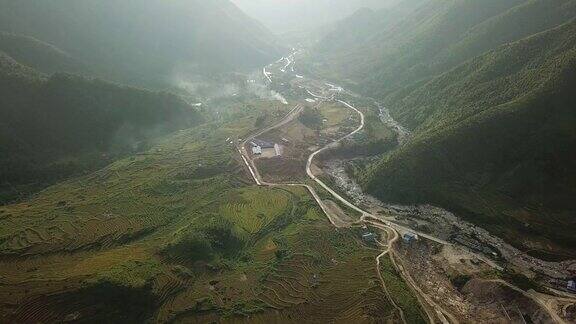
256	150
410	236
261	143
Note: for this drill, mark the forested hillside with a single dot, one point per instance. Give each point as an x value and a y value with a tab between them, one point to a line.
52	127
304	15
418	39
495	141
485	88
144	42
41	56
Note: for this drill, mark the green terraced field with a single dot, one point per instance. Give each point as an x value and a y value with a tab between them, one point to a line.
181	232
254	208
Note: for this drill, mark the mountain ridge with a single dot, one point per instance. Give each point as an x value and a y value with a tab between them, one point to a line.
504	163
56	126
125	41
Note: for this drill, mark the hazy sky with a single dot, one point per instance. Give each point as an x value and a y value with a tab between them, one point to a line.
289	15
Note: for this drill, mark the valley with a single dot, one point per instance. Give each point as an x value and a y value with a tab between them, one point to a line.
483	254
403	161
180	232
234	235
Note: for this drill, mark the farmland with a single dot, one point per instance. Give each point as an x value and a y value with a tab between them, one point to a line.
181	233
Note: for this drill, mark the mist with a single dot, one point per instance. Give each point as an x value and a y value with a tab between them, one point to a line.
283	16
286	161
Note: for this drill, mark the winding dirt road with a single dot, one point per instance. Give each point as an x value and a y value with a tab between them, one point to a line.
434	312
334	219
391	241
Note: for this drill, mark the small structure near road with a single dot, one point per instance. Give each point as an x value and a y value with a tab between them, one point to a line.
256	150
571	286
265	149
409	237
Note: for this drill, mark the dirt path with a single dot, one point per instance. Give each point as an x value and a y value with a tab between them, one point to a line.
379	271
534	297
429	306
433	311
332	217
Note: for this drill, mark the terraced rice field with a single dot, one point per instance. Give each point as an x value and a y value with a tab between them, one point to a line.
117	204
254	208
79	250
324	275
61	239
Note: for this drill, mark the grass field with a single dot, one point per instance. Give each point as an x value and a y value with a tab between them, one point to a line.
303	269
335	114
254	208
179	233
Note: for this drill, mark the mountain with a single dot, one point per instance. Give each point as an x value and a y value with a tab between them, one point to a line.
54	126
494	140
417	39
144	42
288	16
484	86
39	55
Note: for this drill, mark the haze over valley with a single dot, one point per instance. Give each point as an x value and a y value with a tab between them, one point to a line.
269	161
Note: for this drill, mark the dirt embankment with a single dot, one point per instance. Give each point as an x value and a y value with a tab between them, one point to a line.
505	303
466	287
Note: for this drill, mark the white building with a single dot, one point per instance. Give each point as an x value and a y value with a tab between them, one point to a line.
257	150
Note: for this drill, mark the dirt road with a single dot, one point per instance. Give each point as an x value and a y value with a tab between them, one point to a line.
434	312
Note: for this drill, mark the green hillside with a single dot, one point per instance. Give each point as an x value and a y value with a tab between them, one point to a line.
144	42
52	127
39	55
419	39
494	141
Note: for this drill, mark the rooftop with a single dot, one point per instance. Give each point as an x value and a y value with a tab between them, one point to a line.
261	143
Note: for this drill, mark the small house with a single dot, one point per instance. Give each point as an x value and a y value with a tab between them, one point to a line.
265	149
571	285
262	144
409	237
256	150
278	150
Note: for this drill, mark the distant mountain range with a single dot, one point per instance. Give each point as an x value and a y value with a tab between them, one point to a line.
385	50
53	125
283	16
487	89
144	41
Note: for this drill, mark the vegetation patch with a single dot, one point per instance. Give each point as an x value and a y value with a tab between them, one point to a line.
311	118
401	293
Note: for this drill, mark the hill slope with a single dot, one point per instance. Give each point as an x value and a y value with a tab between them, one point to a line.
494	140
41	56
51	127
418	39
144	41
288	16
